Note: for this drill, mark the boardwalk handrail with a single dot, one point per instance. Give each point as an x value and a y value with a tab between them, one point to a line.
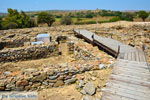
143	48
118	50
146	61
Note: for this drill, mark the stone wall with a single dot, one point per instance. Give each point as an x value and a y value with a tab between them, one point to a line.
34	79
31	52
81	54
12	43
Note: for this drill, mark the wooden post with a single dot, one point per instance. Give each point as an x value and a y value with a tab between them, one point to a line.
118	50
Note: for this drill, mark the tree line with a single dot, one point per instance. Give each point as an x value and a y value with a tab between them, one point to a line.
15	19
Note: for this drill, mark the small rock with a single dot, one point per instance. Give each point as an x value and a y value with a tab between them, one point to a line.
39	78
36	85
83	92
22	83
89	88
29	70
52	81
70	81
45	83
81	83
2	88
51	84
36	73
2	84
27	87
59	83
7	73
68	77
50	73
21	88
53	77
102	66
93	78
60	77
10	86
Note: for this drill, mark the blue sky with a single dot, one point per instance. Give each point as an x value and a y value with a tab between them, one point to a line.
34	5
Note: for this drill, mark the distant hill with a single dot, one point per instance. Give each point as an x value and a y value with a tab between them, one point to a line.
3	14
134	10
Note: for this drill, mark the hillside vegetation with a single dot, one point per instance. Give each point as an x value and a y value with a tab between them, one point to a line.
15	19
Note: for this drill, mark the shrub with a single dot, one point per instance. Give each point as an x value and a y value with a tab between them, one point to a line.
115	19
89	14
14	19
79	23
85	22
90	22
58	16
9	25
45	17
66	20
127	16
143	15
105	21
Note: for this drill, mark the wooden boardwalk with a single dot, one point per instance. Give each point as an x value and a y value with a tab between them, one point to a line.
130	79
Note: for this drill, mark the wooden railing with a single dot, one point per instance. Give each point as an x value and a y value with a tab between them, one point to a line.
146	58
118	51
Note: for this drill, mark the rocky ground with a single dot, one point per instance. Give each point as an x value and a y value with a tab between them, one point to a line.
88	84
134	33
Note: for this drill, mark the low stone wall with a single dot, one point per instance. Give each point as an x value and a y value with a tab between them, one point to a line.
81	54
14	43
33	79
31	52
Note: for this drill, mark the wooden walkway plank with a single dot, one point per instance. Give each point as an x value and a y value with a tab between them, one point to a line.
137	56
144	68
132	87
129	91
131	76
133	56
125	93
130	65
129	56
111	96
127	69
132	62
130	79
131	73
136	86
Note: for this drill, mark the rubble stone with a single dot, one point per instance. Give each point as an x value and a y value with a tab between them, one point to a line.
89	88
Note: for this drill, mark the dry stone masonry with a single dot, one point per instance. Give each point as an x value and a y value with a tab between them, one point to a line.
34	79
31	52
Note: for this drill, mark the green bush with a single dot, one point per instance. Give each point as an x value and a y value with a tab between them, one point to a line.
127	16
105	21
58	16
89	14
9	25
79	23
115	19
143	15
85	22
66	20
90	22
14	19
45	17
